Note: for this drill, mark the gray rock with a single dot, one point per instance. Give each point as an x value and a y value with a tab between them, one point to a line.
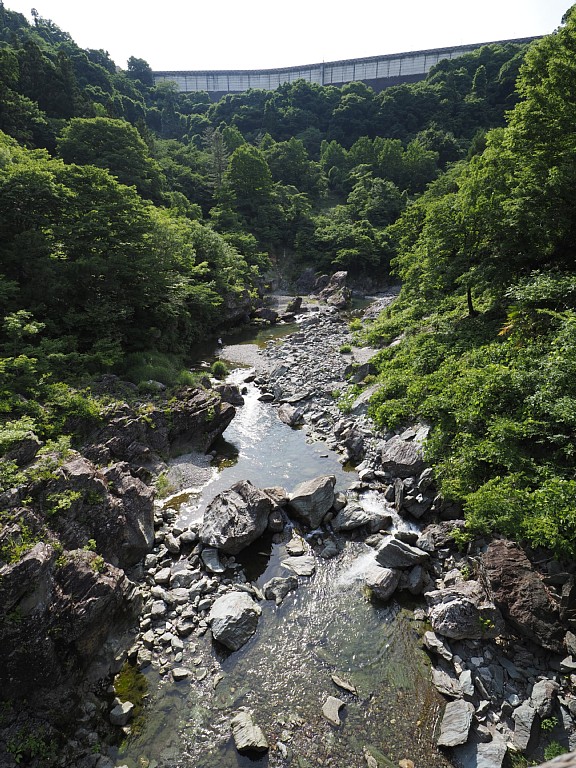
233	619
394	553
570	643
230	393
122	713
439	535
543	697
456	723
278	587
296	546
344	684
211	560
523	717
336	294
483	755
172	544
144	658
248	737
464	611
180	673
402	458
236	518
415	580
382	581
290	415
568	665
158	609
417	504
163	576
302	566
355	516
312	499
446	683
183	577
466	683
331	709
437	645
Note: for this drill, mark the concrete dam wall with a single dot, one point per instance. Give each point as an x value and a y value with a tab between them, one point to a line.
377	71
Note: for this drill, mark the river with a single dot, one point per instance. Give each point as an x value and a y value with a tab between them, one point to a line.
283	674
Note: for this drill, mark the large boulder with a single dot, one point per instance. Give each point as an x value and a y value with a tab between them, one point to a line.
521	595
353	516
336	294
403	458
464	611
233	619
439	535
236	517
312	499
381	581
395	553
290	415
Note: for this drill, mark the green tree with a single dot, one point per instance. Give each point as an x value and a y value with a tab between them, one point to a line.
115	145
138	69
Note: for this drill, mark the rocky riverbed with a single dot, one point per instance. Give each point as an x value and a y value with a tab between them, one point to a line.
254	642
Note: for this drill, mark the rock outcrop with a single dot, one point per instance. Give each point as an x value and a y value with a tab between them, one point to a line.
57	612
336	293
521	595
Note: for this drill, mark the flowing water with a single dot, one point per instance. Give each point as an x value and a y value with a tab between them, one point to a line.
283	674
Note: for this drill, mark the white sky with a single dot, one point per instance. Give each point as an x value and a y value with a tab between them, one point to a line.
257	34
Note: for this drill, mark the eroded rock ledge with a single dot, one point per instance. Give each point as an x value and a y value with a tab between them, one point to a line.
71	534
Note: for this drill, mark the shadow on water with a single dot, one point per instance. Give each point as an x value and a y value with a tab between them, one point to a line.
227	454
256	558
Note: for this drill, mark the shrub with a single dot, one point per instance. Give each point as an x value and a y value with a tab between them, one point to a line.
219	369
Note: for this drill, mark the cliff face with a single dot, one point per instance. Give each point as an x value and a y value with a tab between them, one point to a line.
68	535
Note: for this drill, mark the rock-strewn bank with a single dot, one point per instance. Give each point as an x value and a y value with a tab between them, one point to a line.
71	538
502	619
497	655
503	662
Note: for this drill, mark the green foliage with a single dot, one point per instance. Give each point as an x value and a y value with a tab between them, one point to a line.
485	325
219	369
61	501
548	724
98	564
17	544
345	349
163	486
355	325
131	685
554	749
27	745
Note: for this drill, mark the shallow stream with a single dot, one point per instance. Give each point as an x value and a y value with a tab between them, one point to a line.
283	674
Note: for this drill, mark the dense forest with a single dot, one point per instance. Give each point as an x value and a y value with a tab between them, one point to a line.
135	220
